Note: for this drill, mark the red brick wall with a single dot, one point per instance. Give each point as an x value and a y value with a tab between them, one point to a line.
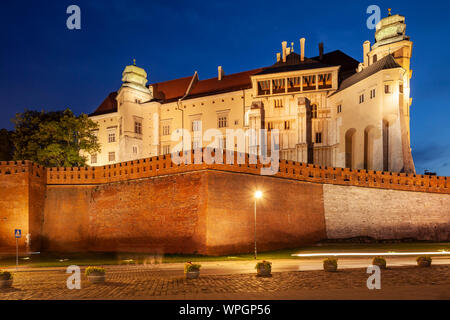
164	214
289	214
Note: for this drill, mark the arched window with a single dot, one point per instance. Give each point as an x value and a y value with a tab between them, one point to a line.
385	145
349	148
368	147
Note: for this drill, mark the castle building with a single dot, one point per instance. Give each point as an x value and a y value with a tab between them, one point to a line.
330	110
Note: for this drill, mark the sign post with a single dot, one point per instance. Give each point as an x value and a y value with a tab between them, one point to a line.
17	234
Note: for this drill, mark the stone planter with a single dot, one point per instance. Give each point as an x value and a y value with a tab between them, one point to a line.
192	274
96	277
6	283
424	263
329	267
263	272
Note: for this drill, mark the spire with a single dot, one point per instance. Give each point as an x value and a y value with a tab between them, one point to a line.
389	12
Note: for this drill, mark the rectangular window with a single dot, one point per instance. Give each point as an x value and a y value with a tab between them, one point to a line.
278	85
138	127
166	149
269	126
318	137
294	84
278	103
135	149
325	81
263	87
93	159
339	108
287	125
387	88
111	156
111	137
196	125
400	88
166	130
361	98
223	121
309	83
372	93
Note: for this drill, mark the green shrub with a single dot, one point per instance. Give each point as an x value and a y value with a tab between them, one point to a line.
90	270
379	261
5	275
189	266
424	258
266	264
330	262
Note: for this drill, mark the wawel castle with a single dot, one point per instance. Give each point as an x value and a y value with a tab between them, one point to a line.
330	110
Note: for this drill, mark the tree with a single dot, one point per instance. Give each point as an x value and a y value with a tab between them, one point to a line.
54	139
6	145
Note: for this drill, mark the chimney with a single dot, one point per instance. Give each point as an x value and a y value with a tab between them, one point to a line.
278	57
284	44
366	50
220	73
321	50
302	49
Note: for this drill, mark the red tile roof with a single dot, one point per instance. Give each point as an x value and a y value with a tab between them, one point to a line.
172	89
107	106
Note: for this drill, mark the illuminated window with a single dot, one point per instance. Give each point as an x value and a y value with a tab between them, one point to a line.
325	81
309	83
93	158
278	85
264	87
294	84
112	156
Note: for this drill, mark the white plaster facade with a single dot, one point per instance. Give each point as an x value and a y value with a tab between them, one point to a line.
325	122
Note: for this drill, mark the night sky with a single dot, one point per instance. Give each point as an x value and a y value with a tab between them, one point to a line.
43	65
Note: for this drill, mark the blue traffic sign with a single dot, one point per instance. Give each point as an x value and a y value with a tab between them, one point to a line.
18	233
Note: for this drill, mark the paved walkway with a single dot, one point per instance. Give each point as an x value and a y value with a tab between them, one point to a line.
167	282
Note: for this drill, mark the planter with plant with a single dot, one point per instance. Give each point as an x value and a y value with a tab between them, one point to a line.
330	264
264	268
424	261
6	279
192	270
95	274
380	262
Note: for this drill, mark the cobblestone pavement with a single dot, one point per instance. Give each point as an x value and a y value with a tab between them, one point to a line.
149	283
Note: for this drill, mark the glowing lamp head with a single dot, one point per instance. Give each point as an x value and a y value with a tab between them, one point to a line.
258	194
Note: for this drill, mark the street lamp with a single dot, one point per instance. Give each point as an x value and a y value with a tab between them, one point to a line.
258	195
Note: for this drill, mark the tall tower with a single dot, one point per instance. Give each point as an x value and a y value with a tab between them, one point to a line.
391	39
130	98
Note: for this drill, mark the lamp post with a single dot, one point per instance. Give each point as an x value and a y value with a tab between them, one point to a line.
258	195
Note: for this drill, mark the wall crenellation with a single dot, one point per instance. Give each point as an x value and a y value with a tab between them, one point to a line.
163	165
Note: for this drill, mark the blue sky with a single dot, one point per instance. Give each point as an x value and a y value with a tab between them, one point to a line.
43	65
